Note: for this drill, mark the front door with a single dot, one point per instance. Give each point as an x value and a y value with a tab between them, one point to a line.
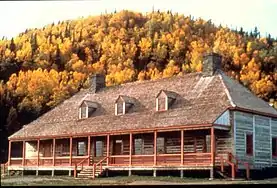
118	147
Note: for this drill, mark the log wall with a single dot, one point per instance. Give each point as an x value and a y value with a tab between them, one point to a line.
262	128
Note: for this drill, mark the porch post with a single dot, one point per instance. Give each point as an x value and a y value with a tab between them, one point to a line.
9	154
108	149
182	147
88	150
54	145
212	153
155	148
38	146
130	149
130	153
23	153
70	151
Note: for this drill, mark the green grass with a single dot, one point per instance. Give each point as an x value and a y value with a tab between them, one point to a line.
118	180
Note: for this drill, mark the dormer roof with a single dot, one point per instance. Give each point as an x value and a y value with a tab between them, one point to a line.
169	94
89	104
126	99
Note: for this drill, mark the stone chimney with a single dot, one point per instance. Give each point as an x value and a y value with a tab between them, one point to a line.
97	82
211	63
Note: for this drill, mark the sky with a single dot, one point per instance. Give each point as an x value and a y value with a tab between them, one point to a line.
17	16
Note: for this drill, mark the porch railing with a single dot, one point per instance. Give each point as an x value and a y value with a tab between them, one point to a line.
190	159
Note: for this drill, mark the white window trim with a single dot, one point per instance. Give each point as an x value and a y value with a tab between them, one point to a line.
165	105
115	110
80	113
123	109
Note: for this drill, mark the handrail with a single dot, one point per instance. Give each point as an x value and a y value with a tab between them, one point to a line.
78	164
237	161
229	162
98	163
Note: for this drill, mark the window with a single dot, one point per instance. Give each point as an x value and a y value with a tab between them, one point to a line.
119	106
87	108
274	147
81	148
99	148
83	112
161	104
123	104
138	146
160	145
164	100
249	144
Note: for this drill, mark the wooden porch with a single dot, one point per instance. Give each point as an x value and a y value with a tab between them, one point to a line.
176	149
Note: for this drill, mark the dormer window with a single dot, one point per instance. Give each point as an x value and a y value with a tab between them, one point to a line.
123	104
164	100
86	109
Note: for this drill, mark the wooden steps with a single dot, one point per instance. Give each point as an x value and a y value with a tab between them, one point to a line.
87	173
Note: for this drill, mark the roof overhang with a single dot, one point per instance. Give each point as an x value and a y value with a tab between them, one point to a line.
118	132
253	111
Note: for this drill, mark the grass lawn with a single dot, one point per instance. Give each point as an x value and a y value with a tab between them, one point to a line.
118	180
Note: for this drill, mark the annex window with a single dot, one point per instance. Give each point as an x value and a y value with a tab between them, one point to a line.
99	148
123	104
81	150
164	100
249	144
86	109
274	147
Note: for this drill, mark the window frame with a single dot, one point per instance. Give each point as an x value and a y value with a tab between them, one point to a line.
78	149
159	103
100	154
246	144
273	138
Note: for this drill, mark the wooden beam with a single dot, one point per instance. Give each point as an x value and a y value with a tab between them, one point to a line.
54	149
38	148
212	147
182	147
9	154
70	151
155	148
89	150
108	149
94	146
23	153
126	131
130	149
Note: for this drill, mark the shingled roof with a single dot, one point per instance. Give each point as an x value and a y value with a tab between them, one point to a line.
200	100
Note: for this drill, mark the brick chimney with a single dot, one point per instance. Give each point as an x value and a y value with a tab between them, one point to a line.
211	63
97	82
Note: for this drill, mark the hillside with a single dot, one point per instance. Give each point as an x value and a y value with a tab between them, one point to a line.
41	67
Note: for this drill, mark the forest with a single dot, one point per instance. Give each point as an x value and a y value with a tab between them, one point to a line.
41	67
